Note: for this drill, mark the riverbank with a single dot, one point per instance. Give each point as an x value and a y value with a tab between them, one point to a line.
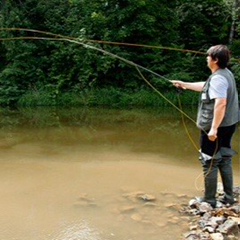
220	223
109	97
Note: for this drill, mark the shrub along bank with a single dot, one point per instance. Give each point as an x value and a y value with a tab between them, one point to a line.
40	71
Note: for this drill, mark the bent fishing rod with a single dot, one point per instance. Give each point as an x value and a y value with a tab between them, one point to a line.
57	37
121	44
88	46
105	42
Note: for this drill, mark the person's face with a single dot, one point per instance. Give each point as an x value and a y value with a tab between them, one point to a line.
211	63
209	59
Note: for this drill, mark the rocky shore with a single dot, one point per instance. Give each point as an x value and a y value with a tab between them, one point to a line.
170	212
220	223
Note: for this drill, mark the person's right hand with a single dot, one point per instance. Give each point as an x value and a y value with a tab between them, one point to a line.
178	84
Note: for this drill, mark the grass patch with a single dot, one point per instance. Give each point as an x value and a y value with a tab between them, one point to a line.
107	97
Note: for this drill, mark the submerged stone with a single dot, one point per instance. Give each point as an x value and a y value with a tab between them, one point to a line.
138	195
147	197
127	209
136	217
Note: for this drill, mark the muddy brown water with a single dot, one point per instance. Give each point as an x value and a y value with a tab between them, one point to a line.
77	174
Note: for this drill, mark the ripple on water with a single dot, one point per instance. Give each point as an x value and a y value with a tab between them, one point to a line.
77	230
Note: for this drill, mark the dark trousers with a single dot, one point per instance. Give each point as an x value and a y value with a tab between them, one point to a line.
224	138
221	161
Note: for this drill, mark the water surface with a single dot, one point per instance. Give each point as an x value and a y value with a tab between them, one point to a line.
82	174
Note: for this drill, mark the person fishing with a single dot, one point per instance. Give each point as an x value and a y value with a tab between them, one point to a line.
217	118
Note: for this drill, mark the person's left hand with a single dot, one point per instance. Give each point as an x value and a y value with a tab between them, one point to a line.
212	134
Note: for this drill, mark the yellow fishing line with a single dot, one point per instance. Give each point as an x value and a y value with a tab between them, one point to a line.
109	42
185	127
58	37
104	42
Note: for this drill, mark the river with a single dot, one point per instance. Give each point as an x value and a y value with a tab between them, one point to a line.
98	174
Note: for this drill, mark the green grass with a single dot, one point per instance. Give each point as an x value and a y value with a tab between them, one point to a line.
108	97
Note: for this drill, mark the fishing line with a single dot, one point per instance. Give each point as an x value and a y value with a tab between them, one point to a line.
110	42
105	42
183	113
186	129
58	37
90	47
197	148
204	175
76	41
185	126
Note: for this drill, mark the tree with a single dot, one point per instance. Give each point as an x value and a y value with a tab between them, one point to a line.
234	11
57	67
204	23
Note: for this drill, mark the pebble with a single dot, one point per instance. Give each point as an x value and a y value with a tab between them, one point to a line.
227	226
205	207
193	227
217	236
235	219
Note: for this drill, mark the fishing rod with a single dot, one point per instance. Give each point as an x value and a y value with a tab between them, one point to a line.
105	42
113	43
90	47
57	37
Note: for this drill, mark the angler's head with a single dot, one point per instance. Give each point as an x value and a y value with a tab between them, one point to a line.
219	55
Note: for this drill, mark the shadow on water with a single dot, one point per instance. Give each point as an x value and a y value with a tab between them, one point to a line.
159	131
97	174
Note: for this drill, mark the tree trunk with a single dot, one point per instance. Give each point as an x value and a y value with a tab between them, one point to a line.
235	14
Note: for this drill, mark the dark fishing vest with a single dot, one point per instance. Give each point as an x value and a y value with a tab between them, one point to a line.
206	105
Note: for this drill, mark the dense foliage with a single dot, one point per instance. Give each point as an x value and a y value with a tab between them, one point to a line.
50	69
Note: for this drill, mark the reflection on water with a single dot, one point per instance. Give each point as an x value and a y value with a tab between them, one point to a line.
96	174
77	230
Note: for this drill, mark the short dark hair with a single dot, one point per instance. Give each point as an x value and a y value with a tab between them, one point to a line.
220	53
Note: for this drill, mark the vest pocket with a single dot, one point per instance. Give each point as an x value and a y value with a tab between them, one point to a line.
205	117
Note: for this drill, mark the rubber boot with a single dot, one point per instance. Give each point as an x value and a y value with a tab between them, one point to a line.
210	181
225	168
